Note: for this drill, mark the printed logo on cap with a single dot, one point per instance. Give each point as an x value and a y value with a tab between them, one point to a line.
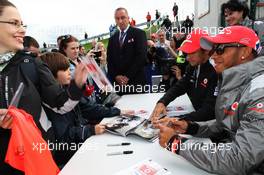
245	41
226	30
221	32
234	106
186	41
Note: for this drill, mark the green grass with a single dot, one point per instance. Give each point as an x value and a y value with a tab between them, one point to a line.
88	46
153	29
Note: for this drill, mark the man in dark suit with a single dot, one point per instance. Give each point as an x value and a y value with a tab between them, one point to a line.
126	55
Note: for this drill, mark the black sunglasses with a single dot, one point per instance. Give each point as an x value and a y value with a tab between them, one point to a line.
220	48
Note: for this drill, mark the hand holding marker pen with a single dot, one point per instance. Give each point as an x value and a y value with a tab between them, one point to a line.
119	153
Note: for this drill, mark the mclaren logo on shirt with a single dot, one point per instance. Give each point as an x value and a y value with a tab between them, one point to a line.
204	83
234	106
231	111
258	108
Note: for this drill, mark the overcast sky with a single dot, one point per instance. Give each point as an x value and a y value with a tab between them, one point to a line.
46	19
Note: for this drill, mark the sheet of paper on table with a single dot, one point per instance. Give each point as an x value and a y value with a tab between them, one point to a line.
145	167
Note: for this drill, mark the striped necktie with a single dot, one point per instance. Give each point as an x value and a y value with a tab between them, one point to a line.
121	38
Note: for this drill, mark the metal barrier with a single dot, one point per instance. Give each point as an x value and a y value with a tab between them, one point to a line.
107	35
260	10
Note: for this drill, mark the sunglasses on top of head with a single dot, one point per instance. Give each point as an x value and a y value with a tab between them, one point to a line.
64	37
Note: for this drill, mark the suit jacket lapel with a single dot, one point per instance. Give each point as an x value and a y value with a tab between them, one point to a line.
116	41
116	38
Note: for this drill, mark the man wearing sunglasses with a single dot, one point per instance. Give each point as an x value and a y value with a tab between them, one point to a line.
199	82
239	127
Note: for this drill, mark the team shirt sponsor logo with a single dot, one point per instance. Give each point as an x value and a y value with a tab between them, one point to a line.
234	106
216	91
231	112
205	82
260	105
258	108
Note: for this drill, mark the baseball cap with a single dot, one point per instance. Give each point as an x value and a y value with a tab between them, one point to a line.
233	34
192	41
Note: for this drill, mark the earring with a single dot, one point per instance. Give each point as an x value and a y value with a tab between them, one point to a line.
242	57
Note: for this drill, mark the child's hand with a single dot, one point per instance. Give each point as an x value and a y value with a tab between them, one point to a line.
99	129
90	54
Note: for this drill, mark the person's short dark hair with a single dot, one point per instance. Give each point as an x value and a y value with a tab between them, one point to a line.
81	46
236	5
65	39
56	62
30	41
121	8
178	41
3	4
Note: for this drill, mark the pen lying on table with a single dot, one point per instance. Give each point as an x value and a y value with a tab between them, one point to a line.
119	144
119	153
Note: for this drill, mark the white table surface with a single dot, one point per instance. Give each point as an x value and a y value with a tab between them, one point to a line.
91	158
